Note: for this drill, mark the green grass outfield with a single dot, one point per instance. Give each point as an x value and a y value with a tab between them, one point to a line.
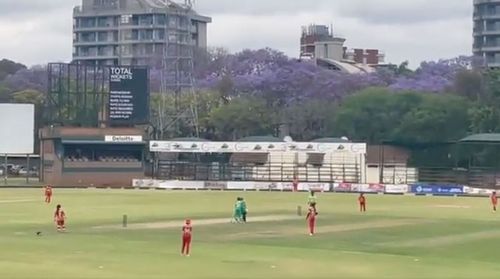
400	237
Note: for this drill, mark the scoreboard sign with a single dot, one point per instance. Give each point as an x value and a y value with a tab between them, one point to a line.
128	96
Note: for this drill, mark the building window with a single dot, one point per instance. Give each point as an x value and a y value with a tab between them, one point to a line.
102	36
103	22
126	50
160	34
149	49
161	19
146	20
87	22
88	37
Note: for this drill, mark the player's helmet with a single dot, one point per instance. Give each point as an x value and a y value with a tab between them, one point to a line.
188	221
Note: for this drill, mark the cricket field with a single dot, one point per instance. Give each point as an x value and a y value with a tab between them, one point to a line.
399	237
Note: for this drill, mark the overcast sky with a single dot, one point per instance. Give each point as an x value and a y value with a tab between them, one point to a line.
39	31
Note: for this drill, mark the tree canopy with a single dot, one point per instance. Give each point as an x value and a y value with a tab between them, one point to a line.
262	92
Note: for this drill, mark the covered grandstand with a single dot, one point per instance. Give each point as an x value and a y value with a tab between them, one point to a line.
92	156
260	159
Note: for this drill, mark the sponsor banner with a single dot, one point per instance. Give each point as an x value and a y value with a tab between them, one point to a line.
342	187
240	185
422	188
123	139
268	186
287	186
478	191
317	187
215	185
254	147
368	188
174	184
145	183
396	189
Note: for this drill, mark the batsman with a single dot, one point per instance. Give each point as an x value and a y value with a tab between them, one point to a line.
238	213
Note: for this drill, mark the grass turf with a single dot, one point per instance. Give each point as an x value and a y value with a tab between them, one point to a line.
400	237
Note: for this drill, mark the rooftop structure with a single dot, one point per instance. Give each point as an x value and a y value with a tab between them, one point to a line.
318	43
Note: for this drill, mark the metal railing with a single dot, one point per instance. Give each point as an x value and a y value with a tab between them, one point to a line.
474	177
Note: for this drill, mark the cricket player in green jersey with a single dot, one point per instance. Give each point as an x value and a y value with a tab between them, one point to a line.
237	216
312	199
244	210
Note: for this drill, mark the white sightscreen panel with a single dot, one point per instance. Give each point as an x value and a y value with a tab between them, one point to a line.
17	128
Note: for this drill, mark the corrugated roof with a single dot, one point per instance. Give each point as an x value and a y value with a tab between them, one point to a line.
331	140
485	138
261	139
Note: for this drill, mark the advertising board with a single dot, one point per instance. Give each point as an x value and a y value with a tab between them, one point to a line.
423	188
396	189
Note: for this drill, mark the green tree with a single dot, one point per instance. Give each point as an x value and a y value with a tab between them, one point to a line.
310	119
377	115
28	97
484	119
469	84
242	117
8	67
438	118
373	114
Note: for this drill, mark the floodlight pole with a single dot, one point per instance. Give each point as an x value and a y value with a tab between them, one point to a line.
5	170
27	169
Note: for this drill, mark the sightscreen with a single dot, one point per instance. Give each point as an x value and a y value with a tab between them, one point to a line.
17	128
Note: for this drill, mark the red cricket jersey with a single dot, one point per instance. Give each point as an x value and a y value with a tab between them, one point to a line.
494	199
48	191
187	230
362	200
59	215
311	215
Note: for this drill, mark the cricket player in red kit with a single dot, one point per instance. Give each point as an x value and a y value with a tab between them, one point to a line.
311	218
60	218
295	183
494	200
362	202
187	231
48	193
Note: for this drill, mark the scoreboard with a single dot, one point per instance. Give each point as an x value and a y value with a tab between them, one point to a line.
128	102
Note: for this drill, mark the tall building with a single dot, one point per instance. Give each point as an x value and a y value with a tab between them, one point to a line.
487	31
318	42
135	32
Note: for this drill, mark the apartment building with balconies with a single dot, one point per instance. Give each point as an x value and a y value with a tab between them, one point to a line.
134	32
487	31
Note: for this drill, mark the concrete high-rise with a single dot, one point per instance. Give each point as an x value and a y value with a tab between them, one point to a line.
134	32
487	31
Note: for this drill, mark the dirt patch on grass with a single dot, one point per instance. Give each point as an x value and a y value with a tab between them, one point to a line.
287	231
202	222
445	240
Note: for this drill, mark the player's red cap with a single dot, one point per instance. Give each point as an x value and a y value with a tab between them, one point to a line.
188	221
